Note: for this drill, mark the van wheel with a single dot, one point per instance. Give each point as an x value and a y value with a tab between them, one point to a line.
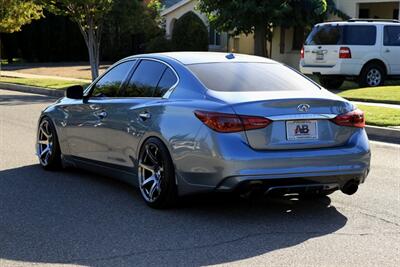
331	82
372	75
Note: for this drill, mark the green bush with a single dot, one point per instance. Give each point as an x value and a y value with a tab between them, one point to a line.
190	34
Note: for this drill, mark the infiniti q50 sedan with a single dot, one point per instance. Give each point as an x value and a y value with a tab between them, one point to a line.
188	122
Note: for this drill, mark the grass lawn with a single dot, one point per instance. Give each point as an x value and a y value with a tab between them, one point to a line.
384	94
47	83
381	116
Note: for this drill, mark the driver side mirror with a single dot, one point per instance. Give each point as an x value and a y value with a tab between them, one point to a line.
74	92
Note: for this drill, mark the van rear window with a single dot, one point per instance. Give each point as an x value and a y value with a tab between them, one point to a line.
342	35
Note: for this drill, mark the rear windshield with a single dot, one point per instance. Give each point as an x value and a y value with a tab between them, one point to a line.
242	77
342	35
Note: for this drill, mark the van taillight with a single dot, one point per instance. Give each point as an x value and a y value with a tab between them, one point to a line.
355	118
230	123
344	52
302	52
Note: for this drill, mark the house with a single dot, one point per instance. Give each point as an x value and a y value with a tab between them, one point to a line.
286	43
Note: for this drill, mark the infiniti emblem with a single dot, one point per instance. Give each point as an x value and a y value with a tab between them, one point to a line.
303	107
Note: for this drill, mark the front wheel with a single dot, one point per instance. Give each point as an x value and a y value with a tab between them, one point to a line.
47	146
156	175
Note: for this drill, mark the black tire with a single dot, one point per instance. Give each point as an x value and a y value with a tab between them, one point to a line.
50	160
155	161
372	75
331	82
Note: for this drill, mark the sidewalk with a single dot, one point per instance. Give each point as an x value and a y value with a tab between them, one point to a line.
15	74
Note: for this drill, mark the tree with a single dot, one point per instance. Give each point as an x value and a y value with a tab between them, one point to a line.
89	16
16	13
260	16
190	34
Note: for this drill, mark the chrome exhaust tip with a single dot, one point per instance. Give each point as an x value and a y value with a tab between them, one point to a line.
350	187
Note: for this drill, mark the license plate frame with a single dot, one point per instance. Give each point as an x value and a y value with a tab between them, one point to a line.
304	130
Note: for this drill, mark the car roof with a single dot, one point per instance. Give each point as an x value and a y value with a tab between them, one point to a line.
360	22
189	58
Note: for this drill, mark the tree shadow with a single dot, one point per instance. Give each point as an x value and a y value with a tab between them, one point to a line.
24	99
81	218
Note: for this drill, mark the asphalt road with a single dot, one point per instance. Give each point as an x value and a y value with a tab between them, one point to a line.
77	218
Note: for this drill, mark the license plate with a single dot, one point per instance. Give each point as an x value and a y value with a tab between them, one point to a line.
302	130
320	56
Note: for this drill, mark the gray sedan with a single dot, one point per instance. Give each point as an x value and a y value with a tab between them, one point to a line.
189	122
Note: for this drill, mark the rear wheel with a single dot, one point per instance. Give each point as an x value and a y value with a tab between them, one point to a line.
372	75
156	175
48	148
331	82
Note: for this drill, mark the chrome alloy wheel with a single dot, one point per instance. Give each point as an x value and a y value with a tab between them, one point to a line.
44	143
374	77
151	172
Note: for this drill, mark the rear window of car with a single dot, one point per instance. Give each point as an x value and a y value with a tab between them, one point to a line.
242	77
342	35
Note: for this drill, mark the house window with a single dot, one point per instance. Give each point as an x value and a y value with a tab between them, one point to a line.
396	14
364	13
298	38
214	37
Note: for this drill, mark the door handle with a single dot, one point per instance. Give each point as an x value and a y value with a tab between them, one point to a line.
387	50
145	115
101	114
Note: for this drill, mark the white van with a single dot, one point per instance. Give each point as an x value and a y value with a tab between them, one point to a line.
367	51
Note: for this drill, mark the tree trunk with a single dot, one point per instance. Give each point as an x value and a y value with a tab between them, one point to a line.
260	40
92	41
0	54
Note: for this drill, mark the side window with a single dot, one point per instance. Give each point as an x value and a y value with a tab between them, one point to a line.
167	81
391	36
145	79
359	35
109	84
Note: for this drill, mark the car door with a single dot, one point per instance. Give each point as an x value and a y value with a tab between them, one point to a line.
391	48
84	127
131	114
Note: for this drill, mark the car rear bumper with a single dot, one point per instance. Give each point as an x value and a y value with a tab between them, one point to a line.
239	164
341	68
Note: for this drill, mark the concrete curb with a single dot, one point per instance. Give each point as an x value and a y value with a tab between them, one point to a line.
384	134
374	132
33	89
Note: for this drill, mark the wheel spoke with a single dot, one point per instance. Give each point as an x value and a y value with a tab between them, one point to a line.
43	142
151	156
148	180
147	167
46	150
153	189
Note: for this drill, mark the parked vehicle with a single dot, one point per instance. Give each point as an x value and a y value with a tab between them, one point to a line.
367	51
185	122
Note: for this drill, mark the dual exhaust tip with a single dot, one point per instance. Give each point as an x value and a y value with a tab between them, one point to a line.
350	187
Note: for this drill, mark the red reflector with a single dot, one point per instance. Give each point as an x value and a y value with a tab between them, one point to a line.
230	123
344	52
302	52
355	118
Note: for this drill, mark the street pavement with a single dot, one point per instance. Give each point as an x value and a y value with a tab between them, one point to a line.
78	218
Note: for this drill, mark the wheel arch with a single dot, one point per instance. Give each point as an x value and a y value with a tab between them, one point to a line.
377	61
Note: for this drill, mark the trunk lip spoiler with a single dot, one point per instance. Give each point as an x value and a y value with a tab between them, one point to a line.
301	117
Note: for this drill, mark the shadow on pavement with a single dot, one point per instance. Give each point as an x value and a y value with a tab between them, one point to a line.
24	99
77	217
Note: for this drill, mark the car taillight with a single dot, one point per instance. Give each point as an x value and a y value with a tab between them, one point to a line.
355	118
230	123
302	52
344	52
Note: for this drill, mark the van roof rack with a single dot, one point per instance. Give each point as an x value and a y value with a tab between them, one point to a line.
375	20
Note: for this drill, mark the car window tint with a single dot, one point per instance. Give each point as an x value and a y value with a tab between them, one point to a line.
242	77
109	84
324	35
167	81
391	36
145	79
359	35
